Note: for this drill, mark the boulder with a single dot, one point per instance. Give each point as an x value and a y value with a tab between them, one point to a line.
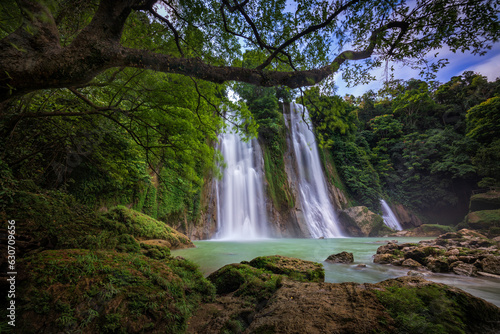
483	220
406	218
372	308
486	201
413	273
438	264
383	258
491	264
464	269
294	268
411	263
343	257
359	221
389	248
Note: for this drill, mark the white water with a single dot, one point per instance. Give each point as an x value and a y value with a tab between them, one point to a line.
241	204
317	208
389	218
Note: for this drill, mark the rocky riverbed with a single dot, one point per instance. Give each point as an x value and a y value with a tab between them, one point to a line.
277	294
465	252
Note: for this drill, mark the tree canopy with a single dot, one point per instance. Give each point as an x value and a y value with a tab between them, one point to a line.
62	43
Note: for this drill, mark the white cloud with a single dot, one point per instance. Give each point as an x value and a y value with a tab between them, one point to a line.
489	68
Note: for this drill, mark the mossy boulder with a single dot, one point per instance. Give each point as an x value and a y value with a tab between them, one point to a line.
483	220
486	201
402	305
342	257
359	221
50	219
245	281
293	268
105	291
421	306
144	228
55	220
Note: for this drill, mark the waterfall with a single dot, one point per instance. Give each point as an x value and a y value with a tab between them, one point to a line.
240	197
316	206
389	217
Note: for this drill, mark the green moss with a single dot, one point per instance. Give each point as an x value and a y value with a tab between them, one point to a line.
245	281
437	228
274	166
127	221
108	292
425	309
295	269
151	202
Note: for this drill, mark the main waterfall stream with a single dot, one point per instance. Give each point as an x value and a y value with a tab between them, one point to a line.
241	203
318	210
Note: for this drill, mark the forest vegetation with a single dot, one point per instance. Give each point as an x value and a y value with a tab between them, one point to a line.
110	111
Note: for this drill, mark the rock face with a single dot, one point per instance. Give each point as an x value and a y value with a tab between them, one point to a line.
405	217
483	220
342	257
465	252
206	226
485	201
256	300
359	221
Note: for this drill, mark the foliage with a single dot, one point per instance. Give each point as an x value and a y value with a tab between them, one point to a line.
415	142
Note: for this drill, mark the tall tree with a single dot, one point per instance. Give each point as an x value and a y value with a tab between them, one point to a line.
61	43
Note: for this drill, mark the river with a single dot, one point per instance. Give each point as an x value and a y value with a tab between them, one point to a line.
211	255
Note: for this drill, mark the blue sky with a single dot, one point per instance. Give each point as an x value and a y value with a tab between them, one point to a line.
487	65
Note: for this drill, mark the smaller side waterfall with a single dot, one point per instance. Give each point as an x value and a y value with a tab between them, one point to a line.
389	217
241	204
318	210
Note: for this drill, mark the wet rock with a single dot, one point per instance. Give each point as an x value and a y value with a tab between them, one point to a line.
359	221
438	265
482	273
292	267
413	273
361	265
397	262
389	248
416	254
491	264
343	257
362	308
453	251
383	258
411	263
464	269
465	246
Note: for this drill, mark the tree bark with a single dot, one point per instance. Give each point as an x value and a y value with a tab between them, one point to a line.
32	57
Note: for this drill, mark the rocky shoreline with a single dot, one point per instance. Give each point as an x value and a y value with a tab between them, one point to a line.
465	252
277	294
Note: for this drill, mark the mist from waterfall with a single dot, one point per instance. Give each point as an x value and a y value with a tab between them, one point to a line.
241	203
317	208
389	217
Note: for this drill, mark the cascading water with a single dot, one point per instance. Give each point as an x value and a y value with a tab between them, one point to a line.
317	208
240	197
389	217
